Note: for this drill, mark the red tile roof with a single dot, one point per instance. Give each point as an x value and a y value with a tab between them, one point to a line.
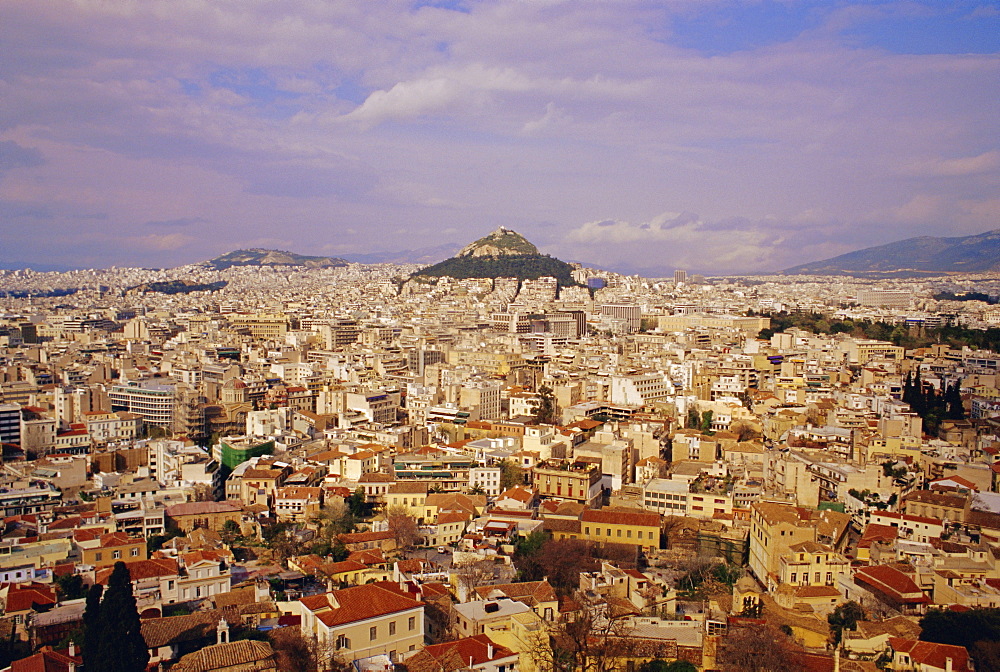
23	597
932	654
142	569
893	582
360	603
46	660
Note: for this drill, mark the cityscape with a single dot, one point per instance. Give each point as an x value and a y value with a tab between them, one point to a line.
499	336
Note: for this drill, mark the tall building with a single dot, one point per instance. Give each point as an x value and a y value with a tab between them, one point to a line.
629	314
680	276
10	423
153	402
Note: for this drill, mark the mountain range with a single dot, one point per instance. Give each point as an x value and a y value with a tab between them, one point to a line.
260	257
923	255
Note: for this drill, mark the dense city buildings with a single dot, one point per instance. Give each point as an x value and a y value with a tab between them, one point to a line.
373	461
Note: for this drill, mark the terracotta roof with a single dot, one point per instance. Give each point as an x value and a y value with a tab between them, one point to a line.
445	518
23	597
816	591
244	655
875	532
142	569
932	654
333	568
370	557
893	582
457	655
561	525
936	498
530	592
262	473
360	603
518	493
47	660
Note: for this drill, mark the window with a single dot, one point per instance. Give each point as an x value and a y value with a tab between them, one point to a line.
98	557
135	552
619	532
392	628
629	534
609	531
343	642
117	555
412	623
373	633
794	576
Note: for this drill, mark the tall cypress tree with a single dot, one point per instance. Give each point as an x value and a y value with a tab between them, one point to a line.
122	648
954	401
92	626
918	404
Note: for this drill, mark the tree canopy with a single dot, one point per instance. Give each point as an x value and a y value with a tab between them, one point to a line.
113	639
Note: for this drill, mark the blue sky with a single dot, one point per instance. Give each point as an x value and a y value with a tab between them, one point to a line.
720	137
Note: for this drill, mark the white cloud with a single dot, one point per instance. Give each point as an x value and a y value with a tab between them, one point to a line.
959	167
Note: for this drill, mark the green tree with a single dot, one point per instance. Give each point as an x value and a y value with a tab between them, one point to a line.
113	639
230	532
706	421
92	626
545	411
844	617
511	475
658	665
71	587
358	504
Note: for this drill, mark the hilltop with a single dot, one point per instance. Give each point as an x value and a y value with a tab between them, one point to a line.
261	257
923	255
502	253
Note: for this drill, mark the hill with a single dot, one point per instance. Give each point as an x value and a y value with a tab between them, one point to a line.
502	253
924	255
260	257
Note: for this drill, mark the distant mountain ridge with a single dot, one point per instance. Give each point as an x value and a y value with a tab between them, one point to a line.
502	253
262	257
923	255
421	255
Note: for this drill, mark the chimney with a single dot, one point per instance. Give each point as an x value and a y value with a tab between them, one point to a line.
948	664
489	651
836	659
71	651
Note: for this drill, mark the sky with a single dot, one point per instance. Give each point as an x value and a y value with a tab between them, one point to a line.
641	137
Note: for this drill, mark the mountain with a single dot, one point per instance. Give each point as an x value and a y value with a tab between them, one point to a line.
924	255
259	257
501	254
